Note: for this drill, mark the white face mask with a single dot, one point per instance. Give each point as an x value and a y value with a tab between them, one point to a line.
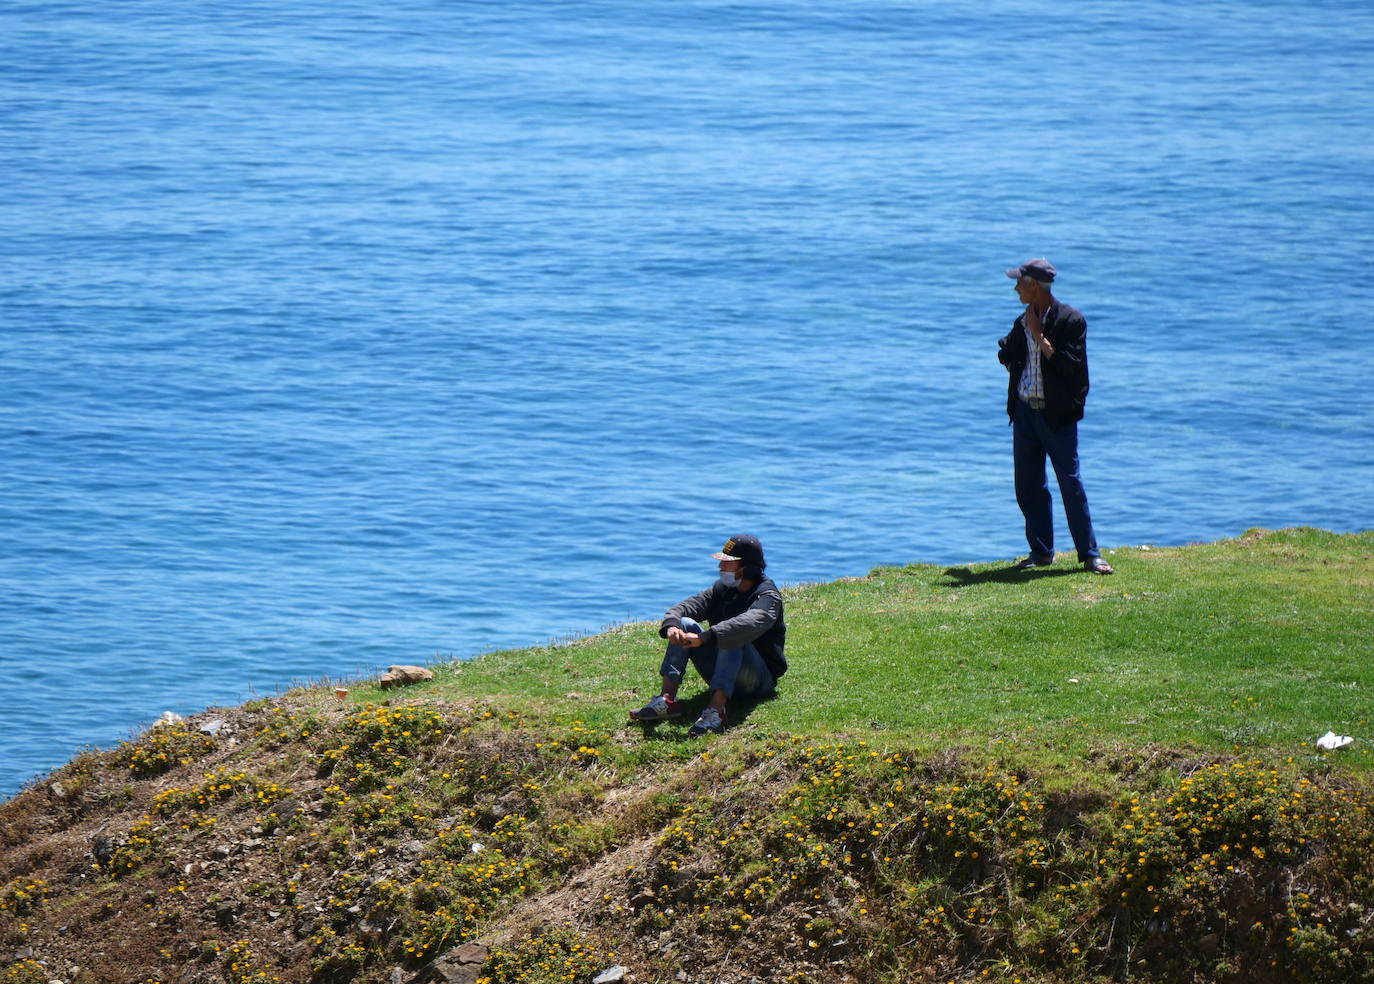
729	579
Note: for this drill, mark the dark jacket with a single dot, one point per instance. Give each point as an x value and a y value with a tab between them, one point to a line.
1065	373
736	619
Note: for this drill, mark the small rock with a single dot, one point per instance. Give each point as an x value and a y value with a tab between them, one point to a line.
213	727
226	913
413	849
611	975
458	966
404	676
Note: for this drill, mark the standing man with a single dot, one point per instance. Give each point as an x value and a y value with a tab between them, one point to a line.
1046	353
741	654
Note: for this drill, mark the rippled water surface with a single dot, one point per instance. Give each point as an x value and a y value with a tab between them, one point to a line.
343	334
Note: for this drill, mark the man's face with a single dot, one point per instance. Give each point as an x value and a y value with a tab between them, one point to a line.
733	566
1026	289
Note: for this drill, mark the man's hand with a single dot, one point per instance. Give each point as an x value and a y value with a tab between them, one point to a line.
678	637
1032	323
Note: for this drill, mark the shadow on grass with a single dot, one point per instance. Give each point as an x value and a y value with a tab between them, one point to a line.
962	577
737	711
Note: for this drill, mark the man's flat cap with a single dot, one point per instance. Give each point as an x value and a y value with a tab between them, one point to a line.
1039	269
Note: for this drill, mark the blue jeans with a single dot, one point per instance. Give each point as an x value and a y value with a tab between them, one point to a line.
1032	441
735	671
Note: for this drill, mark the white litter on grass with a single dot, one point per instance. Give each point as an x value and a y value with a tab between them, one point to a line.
1331	740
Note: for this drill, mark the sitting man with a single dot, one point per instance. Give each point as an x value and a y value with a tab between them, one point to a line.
741	654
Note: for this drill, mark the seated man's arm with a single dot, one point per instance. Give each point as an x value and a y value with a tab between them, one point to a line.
697	608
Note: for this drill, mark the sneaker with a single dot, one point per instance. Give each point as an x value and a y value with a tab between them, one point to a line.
710	720
661	708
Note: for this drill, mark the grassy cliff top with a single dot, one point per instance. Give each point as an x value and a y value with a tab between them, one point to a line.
1261	643
969	774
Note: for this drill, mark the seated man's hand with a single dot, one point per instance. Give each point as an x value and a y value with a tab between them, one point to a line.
678	637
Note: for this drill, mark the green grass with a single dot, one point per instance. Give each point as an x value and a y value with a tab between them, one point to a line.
1258	644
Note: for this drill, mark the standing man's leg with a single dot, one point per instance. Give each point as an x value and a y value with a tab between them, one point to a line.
1032	488
1062	446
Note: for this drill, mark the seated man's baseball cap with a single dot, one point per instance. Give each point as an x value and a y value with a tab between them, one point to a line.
743	547
1039	269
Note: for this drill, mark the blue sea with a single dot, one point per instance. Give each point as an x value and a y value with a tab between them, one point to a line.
343	334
